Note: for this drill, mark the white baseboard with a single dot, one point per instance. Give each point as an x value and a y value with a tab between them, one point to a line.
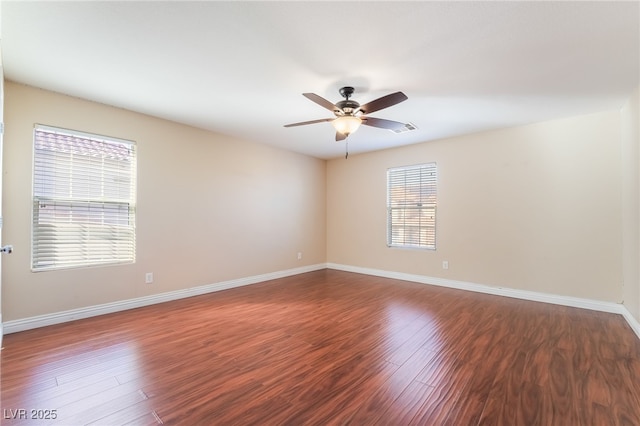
633	323
75	314
575	302
107	308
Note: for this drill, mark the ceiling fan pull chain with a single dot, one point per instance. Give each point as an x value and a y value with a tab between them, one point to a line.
346	144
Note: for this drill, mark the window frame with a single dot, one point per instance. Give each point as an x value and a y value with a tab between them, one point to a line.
102	228
426	202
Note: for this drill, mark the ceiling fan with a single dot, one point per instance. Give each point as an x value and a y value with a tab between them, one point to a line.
349	114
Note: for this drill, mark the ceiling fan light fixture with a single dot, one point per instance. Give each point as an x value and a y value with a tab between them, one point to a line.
347	124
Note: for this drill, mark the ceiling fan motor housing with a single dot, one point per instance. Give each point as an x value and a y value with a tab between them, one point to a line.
347	107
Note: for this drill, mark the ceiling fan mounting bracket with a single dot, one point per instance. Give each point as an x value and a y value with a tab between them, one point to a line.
346	92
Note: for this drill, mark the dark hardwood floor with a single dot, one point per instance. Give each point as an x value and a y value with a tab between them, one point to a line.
326	348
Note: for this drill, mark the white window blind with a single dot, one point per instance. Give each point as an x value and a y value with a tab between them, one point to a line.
83	200
411	206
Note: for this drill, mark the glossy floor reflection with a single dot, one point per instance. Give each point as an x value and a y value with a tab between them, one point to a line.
328	347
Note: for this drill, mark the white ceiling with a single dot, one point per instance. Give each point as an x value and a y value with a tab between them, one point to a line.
240	68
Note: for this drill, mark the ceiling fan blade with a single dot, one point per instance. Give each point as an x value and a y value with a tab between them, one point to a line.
383	102
340	136
321	101
302	123
382	123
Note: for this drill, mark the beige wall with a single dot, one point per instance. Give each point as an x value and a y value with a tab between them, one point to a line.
630	203
210	208
538	207
535	207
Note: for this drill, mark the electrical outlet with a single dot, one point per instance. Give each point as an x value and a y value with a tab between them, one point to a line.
148	277
445	264
299	255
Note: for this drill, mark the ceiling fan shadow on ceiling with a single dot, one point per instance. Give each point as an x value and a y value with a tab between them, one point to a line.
349	114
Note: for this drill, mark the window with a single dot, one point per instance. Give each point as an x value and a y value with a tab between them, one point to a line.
83	200
411	206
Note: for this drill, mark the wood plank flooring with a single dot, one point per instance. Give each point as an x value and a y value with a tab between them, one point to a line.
325	348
